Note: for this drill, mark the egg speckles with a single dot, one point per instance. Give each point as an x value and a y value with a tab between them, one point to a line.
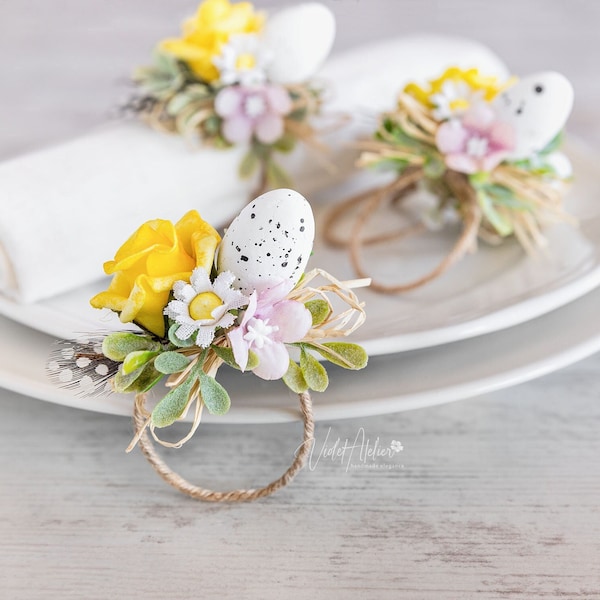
270	240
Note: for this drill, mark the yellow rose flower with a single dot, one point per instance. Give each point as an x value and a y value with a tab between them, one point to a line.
148	264
208	31
455	90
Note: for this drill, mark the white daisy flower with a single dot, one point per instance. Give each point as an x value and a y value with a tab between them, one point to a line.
202	306
455	98
243	60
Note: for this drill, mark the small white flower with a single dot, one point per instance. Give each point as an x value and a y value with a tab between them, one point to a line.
455	98
202	306
243	60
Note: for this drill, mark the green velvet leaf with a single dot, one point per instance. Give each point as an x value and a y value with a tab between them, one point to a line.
319	309
313	371
215	397
116	346
277	176
140	380
147	379
248	165
176	341
137	359
294	379
344	354
497	221
173	405
434	167
226	355
285	143
171	362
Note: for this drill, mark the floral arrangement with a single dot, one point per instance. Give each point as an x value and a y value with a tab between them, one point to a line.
236	77
200	301
488	152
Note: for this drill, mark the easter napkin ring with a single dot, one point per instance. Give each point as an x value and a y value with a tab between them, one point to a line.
239	78
480	153
199	302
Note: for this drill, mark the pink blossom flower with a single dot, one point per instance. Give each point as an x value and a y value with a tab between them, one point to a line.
270	322
255	110
475	142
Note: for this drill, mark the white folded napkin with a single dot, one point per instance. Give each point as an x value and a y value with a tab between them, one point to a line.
66	210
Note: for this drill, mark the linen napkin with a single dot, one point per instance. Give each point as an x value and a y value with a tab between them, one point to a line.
65	210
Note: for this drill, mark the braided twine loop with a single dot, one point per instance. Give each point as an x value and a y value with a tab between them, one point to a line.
241	495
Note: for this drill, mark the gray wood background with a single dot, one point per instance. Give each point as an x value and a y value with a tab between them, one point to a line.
495	497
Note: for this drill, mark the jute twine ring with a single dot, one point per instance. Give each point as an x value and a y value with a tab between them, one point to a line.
372	200
184	486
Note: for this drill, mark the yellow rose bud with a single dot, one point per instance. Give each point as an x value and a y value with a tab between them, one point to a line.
208	31
148	264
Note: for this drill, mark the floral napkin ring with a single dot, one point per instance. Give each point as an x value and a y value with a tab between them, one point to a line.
200	301
236	77
486	153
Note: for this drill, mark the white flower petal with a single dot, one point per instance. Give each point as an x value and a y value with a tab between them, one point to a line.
227	321
200	280
184	332
176	308
205	336
184	291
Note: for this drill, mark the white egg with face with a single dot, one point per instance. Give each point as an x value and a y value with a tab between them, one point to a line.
298	40
538	107
269	241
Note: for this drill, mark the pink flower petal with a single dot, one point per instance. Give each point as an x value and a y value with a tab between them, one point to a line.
292	319
502	136
492	160
451	137
269	128
237	130
267	298
228	102
279	99
479	118
239	346
462	163
273	359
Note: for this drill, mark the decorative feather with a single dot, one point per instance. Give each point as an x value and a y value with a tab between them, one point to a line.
80	366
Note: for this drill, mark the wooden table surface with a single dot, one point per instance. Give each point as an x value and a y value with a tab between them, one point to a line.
493	497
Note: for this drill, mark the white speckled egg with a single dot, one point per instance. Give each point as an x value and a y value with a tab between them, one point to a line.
270	240
299	39
538	107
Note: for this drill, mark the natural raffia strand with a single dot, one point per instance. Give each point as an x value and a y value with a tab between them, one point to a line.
241	495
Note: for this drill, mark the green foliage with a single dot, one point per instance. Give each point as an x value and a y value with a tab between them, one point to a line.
226	355
319	309
313	371
502	225
137	359
171	362
214	395
285	144
249	164
140	380
277	177
343	354
173	405
165	77
176	341
116	346
294	379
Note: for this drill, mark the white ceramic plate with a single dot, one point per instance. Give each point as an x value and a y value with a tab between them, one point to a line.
390	383
491	290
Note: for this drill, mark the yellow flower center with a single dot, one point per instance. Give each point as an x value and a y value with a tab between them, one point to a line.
202	306
459	104
245	62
